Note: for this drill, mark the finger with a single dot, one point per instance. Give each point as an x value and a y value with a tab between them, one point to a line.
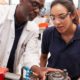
53	70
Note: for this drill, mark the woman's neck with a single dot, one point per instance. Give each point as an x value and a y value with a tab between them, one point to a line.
70	31
69	34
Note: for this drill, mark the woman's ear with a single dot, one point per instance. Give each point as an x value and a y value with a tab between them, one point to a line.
73	16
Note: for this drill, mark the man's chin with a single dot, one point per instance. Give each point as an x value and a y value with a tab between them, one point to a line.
31	17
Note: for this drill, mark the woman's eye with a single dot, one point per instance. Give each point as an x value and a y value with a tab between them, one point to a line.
62	17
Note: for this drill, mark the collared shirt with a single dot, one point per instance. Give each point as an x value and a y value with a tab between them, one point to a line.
18	30
63	55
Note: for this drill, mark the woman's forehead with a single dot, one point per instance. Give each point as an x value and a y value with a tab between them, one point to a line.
58	8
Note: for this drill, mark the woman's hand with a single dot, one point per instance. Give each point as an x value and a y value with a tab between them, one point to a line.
42	71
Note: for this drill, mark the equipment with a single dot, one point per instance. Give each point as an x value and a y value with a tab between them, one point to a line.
29	75
58	75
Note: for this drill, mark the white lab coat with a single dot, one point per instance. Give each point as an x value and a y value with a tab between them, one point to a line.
7	34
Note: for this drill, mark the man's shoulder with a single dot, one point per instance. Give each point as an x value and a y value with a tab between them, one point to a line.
32	26
5	7
6	12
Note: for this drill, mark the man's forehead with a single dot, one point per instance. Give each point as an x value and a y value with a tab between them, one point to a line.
40	1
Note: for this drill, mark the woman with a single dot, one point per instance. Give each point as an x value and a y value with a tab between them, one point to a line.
62	40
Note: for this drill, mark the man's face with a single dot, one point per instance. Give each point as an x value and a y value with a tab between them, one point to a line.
31	8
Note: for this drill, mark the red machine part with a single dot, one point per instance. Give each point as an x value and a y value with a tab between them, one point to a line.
2	72
43	25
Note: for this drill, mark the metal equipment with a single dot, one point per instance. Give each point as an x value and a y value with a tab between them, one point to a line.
58	75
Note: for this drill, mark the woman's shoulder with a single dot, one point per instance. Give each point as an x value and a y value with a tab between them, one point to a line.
49	30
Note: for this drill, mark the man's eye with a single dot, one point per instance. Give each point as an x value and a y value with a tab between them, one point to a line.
34	4
37	5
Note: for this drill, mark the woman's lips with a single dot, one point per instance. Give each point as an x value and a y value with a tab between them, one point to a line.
60	28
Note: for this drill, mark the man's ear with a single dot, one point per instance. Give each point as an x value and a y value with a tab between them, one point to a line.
20	1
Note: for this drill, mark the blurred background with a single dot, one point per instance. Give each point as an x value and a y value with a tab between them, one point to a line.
47	2
45	12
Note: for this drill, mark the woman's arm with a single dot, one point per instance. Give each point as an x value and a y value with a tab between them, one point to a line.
43	60
42	71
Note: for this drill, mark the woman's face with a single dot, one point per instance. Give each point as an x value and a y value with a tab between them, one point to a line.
61	18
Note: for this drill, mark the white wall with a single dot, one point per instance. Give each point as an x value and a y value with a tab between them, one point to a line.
76	3
14	1
17	1
11	1
7	1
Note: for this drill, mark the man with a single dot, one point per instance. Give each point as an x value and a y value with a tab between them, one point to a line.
18	37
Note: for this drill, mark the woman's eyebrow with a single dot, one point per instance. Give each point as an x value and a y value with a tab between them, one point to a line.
58	14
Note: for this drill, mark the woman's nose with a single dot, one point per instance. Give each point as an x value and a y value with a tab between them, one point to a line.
57	21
